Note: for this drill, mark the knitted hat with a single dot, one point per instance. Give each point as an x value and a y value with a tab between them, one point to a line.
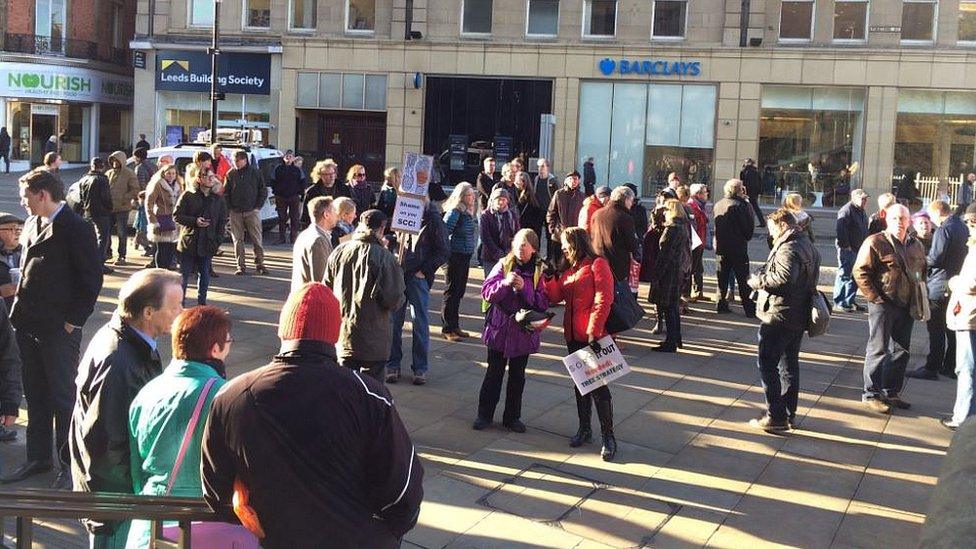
497	193
311	312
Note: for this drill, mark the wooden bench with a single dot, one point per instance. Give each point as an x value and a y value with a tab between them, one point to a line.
28	504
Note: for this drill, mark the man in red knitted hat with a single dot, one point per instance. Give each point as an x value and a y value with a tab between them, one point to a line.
328	461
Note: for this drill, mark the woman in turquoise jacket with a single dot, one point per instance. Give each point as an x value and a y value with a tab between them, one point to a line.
161	412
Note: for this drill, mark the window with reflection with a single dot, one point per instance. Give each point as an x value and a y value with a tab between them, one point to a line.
796	20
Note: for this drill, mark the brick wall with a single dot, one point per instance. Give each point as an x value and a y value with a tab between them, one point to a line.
20	16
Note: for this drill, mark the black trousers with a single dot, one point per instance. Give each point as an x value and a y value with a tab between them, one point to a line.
457	280
672	323
737	267
779	369
375	369
555	251
754	200
584	403
696	281
49	363
289	216
942	342
491	387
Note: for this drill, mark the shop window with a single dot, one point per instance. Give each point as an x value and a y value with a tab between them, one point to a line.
118	26
360	16
669	19
50	26
850	20
810	142
200	13
918	20
599	18
301	15
191	112
476	17
375	92
308	89
796	21
542	18
967	22
330	91
352	91
257	14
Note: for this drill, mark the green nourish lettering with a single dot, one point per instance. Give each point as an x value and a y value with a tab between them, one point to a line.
54	82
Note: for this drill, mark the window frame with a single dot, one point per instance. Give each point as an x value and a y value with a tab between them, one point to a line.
684	24
477	35
867	23
189	17
291	19
599	37
960	42
359	32
536	36
342	78
813	19
935	23
244	13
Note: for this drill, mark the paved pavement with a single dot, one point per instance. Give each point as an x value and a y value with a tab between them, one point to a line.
689	472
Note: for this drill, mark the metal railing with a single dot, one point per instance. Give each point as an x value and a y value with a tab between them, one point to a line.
28	504
60	47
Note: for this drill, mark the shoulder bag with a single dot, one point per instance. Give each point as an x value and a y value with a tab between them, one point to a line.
625	312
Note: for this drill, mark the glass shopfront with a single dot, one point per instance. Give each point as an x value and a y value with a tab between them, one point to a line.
935	134
638	133
189	113
810	141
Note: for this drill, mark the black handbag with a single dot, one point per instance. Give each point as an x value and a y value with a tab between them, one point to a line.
625	312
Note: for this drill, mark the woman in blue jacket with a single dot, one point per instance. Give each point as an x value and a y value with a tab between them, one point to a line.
461	229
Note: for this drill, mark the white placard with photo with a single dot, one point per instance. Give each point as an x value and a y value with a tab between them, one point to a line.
415	176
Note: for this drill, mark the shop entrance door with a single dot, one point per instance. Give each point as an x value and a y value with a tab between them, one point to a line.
355	138
44	124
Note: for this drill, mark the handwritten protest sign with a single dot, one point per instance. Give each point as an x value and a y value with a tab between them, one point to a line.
415	176
408	214
590	370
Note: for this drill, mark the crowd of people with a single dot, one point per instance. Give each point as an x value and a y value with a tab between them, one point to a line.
289	450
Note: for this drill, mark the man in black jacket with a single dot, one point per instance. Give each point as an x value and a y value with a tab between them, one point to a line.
11	387
121	358
785	286
944	261
733	231
288	185
486	181
245	193
95	199
752	179
852	229
202	216
61	276
319	449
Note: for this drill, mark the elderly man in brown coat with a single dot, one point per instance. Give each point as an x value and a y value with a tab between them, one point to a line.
613	234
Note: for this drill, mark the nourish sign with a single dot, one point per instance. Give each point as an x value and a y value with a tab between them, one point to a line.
38	81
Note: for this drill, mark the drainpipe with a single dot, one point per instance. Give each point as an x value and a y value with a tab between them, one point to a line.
744	24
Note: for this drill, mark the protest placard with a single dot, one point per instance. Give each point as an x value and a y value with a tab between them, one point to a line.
590	370
415	176
408	214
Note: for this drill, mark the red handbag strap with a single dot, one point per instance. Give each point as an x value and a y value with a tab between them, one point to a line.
188	435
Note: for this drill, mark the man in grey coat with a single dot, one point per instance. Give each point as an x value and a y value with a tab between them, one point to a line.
785	287
314	244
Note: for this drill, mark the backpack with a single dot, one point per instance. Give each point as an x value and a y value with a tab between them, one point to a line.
819	314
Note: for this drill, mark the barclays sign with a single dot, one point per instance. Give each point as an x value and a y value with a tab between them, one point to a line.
650	67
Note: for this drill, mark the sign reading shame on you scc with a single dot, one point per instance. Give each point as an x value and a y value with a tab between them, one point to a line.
244	73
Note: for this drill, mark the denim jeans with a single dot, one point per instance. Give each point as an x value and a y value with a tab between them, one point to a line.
965	397
121	221
779	369
190	262
418	297
103	233
886	354
845	289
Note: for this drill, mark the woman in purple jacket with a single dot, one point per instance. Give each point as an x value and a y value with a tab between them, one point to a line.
515	282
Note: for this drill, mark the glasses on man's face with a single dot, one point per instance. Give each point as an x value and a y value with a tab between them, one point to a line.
13	229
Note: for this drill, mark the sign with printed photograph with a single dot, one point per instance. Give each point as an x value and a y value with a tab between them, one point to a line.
415	176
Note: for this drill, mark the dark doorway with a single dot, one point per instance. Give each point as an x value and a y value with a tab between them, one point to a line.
495	116
348	137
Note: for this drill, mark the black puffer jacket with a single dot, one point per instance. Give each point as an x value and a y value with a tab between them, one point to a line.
733	228
787	281
203	241
95	195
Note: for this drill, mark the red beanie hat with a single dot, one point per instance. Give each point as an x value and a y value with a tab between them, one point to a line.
311	312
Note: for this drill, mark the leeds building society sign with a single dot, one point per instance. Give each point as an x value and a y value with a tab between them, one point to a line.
246	73
649	67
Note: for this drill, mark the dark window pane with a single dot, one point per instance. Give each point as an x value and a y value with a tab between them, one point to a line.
916	20
543	17
477	16
849	18
795	20
601	18
669	18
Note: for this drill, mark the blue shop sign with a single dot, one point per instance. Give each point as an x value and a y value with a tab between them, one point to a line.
181	70
650	67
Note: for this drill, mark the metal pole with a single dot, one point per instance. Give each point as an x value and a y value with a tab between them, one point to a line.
408	19
214	53
744	24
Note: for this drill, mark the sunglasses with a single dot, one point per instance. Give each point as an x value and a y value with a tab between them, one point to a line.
359	175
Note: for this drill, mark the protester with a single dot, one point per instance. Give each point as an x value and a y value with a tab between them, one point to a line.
142	143
589	176
612	233
586	285
50	146
11	249
785	286
886	270
11	383
360	189
944	261
699	223
163	411
120	360
515	283
202	160
61	277
793	203
639	213
671	267
5	148
544	185
52	162
852	229
142	167
324	183
345	210
563	213
531	215
95	199
733	230
221	165
964	196
314	244
752	180
507	181
591	205
422	254
922	229
202	217
486	181
125	189
461	229
161	195
497	226
273	432
246	193
876	223
287	185
369	285
386	202
961	319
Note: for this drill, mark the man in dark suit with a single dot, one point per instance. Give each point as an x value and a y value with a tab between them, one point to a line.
61	276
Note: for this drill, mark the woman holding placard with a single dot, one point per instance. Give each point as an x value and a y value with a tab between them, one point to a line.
586	285
515	284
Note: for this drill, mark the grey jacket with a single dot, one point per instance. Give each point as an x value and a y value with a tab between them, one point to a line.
310	256
787	281
369	285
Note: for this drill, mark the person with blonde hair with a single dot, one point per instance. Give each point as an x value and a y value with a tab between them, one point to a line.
345	208
323	184
161	195
461	227
360	189
671	266
793	203
201	215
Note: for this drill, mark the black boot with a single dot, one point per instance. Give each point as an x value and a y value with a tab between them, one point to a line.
584	434
604	410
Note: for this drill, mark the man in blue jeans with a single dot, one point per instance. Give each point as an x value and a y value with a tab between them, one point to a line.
852	229
423	254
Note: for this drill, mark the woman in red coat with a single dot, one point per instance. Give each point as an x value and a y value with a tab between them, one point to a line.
586	285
